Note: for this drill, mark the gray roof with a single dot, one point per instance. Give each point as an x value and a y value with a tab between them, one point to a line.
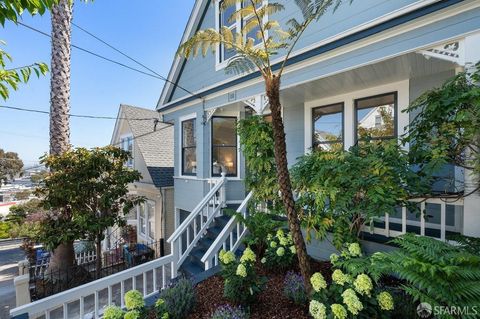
156	146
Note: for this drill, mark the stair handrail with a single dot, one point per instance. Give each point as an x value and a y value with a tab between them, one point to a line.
226	232
198	209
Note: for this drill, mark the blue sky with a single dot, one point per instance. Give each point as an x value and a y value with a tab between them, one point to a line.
147	30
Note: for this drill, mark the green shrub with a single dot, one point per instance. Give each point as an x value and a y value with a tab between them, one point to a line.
280	253
134	300
133	314
349	294
241	283
436	272
178	300
113	312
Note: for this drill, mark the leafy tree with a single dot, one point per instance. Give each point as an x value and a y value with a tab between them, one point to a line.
275	41
447	127
18	213
11	10
10	165
89	189
343	190
39	177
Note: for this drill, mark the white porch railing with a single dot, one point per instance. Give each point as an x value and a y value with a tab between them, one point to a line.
186	236
230	238
432	220
90	299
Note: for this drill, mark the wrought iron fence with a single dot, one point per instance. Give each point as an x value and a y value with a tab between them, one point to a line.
45	281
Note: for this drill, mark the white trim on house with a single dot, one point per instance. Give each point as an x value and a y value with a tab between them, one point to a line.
180	121
403	100
443	14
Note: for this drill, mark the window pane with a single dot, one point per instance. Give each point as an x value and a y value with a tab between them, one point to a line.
151	219
328	126
142	218
224	159
253	33
188	133
190	160
224	131
376	117
226	14
228	53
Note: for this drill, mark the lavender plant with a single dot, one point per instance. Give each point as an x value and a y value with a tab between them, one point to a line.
229	312
294	289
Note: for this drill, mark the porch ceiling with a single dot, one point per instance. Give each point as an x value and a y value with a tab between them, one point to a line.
408	66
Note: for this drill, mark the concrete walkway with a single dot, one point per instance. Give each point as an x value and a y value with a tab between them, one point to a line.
10	255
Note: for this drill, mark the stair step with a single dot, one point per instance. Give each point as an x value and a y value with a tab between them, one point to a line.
191	269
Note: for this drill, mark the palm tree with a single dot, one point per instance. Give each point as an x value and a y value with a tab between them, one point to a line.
275	41
62	13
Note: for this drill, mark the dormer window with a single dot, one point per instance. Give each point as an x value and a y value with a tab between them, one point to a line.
226	19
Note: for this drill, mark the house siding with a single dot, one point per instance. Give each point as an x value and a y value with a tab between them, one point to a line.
196	76
169	216
436	31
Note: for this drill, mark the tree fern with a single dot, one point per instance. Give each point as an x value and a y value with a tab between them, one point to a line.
435	272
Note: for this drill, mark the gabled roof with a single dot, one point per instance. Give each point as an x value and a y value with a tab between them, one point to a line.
193	25
155	142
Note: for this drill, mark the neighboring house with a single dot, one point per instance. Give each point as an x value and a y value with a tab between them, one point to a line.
138	131
354	70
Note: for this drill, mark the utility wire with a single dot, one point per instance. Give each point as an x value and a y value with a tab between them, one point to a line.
154	75
93	53
79	115
134	60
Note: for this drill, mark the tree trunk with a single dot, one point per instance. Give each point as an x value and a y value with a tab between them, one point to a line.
98	259
60	104
283	175
62	262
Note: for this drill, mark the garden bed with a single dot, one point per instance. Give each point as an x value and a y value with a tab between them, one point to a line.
271	302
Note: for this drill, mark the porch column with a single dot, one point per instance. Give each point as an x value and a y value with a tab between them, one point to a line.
471	211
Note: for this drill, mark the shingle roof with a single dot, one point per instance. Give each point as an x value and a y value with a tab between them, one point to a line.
156	146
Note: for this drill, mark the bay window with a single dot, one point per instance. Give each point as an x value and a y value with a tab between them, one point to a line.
224	146
151	219
328	127
189	148
376	117
146	219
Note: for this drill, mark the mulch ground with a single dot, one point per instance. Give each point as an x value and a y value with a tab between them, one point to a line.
270	303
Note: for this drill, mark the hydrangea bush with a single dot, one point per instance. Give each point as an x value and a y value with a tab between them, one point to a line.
349	294
229	312
241	283
280	253
135	305
294	288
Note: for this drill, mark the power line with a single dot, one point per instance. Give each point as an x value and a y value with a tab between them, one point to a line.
134	60
92	53
155	75
79	115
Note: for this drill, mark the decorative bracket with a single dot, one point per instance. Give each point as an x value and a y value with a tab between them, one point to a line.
207	116
452	52
258	103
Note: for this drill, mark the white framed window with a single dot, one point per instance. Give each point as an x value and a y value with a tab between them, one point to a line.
189	147
146	219
225	19
126	144
224	145
377	110
142	214
151	219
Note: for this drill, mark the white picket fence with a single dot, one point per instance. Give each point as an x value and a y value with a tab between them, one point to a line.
89	300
